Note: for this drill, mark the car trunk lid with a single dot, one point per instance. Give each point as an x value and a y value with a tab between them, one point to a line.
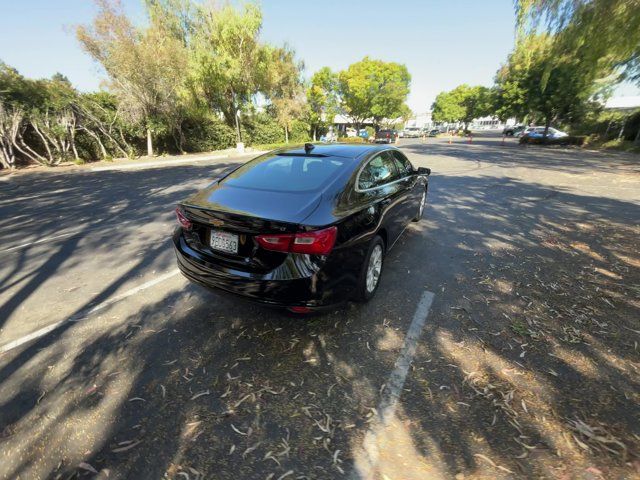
227	216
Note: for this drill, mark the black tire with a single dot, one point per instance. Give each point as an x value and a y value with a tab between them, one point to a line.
421	206
364	294
509	133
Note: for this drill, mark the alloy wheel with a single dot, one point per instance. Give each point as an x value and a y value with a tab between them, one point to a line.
374	268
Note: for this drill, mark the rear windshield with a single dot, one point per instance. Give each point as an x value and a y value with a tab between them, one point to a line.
286	173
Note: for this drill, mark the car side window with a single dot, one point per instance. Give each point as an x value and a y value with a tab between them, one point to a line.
404	165
380	170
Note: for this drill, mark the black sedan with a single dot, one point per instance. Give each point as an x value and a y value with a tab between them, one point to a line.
302	228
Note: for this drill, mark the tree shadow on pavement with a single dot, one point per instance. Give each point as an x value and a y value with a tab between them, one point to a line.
530	366
95	212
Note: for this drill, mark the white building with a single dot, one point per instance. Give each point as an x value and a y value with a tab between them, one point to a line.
420	120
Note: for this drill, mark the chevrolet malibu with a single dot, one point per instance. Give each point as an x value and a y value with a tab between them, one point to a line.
302	228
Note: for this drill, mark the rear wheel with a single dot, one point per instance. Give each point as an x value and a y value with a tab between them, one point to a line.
371	270
423	202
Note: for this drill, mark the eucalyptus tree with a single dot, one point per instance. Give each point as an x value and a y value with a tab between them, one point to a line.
146	66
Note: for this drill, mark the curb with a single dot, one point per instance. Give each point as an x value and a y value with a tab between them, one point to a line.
162	163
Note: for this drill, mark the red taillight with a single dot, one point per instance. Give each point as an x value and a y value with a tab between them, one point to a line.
276	242
182	220
318	242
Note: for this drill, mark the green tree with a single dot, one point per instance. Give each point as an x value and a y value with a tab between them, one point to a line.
603	32
285	87
462	104
322	99
229	65
539	83
448	107
146	67
374	89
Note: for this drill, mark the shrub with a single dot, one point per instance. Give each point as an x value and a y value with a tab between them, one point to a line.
262	129
299	132
351	140
206	134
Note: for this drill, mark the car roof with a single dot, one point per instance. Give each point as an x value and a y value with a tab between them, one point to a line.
345	150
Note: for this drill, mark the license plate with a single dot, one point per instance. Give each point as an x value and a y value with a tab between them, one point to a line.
223	241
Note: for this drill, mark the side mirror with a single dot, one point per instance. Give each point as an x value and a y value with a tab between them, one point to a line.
424	171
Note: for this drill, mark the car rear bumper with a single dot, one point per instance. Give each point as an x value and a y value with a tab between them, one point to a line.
305	284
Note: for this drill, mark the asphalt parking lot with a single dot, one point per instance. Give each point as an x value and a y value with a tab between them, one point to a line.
502	342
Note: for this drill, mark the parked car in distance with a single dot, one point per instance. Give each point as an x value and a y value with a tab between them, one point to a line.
513	130
351	132
386	136
412	132
301	228
433	132
538	133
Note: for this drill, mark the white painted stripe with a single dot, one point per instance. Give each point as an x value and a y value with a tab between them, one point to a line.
365	466
85	313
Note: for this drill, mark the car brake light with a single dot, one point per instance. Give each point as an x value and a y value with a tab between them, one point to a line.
183	220
317	242
277	243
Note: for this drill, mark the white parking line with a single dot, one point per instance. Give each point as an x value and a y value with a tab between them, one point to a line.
85	313
366	463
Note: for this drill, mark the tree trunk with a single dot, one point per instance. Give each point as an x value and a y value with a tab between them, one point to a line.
315	130
45	143
238	133
547	124
637	140
149	143
624	123
286	135
97	139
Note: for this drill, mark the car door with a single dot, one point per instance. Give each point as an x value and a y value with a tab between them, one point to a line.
411	193
378	185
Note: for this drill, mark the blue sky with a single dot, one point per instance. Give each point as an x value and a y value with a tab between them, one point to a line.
442	43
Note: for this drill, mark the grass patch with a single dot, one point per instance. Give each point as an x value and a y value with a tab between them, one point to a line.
621	145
